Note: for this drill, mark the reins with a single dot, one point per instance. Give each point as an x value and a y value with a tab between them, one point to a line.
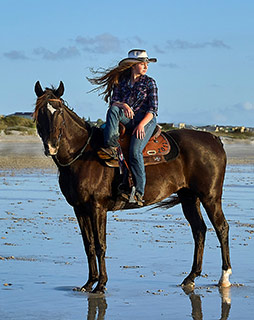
79	155
81	151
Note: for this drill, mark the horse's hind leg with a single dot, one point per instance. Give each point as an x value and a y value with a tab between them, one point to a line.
191	209
215	214
85	225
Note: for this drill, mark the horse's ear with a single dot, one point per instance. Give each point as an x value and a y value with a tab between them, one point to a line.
38	89
60	90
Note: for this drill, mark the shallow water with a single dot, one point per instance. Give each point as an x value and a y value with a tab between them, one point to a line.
148	255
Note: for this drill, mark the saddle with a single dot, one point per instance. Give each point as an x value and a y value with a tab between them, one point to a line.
160	148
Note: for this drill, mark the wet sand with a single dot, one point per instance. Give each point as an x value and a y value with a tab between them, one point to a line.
148	254
21	152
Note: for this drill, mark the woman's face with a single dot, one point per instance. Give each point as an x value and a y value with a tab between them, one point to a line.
140	68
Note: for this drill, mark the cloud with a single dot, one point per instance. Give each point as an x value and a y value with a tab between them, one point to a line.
102	43
185	45
247	106
237	114
62	54
169	65
15	55
106	43
159	50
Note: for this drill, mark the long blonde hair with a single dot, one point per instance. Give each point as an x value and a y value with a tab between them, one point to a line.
108	78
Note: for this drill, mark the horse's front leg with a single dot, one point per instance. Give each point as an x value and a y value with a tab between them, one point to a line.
85	224
99	219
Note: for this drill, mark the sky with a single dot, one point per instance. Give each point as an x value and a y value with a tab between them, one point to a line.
205	53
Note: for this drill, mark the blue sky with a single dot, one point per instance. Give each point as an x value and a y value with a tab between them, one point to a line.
205	53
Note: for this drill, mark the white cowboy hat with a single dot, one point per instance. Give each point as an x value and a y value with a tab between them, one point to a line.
137	55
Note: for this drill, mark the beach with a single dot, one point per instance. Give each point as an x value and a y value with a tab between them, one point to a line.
20	152
149	252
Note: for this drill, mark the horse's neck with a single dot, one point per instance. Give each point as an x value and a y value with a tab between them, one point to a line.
75	128
74	137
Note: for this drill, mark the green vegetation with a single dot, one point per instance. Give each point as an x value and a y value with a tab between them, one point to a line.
166	126
25	126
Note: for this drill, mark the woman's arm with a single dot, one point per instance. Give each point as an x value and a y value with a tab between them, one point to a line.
140	128
126	108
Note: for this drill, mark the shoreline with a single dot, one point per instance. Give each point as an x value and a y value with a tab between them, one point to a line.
18	152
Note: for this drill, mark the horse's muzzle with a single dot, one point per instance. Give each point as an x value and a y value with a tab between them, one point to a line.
50	150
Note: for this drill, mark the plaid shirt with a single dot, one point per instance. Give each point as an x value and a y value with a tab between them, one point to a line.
141	97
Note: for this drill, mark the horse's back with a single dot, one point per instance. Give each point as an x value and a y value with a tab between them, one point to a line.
199	143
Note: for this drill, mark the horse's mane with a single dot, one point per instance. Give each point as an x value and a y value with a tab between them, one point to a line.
49	94
75	117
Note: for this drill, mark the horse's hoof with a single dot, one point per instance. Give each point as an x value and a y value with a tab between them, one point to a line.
81	289
188	285
188	289
224	280
99	290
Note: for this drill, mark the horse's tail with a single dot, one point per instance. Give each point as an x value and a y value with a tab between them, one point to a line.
169	203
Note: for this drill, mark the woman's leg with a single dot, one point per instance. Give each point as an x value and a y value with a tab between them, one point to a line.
136	156
111	131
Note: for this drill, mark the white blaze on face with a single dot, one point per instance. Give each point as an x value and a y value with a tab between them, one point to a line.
51	108
224	280
52	150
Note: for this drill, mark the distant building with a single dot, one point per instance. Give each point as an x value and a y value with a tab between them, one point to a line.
27	115
181	125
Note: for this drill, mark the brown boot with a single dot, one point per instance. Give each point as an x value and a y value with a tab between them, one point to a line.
111	151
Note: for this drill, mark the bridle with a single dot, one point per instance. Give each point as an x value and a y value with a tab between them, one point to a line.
60	136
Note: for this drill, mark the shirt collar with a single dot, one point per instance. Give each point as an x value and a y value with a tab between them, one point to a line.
140	79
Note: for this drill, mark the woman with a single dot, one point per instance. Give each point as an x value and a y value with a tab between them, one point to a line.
133	101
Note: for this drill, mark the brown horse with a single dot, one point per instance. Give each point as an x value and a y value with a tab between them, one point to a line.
90	186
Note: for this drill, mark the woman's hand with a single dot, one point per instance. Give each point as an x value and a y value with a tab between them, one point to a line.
126	109
139	131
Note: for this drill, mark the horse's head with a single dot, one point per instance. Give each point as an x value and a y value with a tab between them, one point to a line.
49	116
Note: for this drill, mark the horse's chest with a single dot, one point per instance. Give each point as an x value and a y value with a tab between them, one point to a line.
78	188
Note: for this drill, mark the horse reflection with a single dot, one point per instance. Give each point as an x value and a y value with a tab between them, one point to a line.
196	303
96	307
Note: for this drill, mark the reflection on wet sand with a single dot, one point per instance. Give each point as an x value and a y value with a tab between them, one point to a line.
96	308
196	303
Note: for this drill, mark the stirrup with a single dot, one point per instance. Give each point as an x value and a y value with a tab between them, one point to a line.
110	151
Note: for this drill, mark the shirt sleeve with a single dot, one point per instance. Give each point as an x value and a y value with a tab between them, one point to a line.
152	97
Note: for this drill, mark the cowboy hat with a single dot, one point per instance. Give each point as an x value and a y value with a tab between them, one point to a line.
137	55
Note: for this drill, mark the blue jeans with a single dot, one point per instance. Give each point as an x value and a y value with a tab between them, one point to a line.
111	136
